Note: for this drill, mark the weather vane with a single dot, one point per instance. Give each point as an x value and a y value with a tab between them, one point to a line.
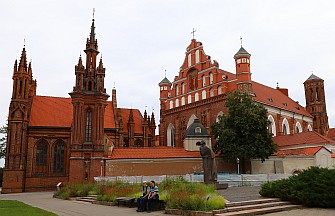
24	42
193	32
241	40
165	73
93	12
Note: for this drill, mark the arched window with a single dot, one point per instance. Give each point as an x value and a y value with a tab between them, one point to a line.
59	149
183	101
88	129
177	90
211	78
309	128
317	94
196	97
189	99
183	88
177	102
197	130
189	60
90	86
272	125
285	127
203	80
312	96
197	56
211	92
203	94
41	153
219	90
298	128
171	135
171	104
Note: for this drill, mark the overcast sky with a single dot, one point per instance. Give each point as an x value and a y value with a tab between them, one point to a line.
287	40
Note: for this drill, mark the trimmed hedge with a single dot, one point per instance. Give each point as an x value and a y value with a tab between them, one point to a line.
314	187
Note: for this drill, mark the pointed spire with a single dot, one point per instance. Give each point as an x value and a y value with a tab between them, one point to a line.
145	115
153	119
15	66
100	63
23	61
131	116
30	72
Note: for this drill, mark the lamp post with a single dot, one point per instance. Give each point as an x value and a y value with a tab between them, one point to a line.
101	165
238	166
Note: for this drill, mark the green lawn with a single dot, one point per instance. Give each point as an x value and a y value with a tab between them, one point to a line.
13	208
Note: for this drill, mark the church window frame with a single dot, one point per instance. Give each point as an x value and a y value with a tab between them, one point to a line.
272	126
171	104
189	99
219	90
88	126
183	88
211	92
197	130
196	97
171	136
59	157
203	95
203	78
298	128
285	127
183	101
177	102
177	89
41	153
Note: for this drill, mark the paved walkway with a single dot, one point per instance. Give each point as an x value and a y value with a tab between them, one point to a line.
44	200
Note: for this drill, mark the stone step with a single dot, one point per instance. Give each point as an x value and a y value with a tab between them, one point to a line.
256	206
86	199
93	196
251	202
259	211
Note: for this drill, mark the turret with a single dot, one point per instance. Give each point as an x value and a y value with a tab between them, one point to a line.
243	74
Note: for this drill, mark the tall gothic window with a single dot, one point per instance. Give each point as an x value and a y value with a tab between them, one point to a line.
41	153
58	166
88	131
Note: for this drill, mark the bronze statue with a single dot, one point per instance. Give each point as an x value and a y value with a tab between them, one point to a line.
208	163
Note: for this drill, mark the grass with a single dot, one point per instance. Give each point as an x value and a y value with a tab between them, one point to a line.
13	208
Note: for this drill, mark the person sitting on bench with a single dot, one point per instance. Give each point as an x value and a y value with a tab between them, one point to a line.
153	196
141	202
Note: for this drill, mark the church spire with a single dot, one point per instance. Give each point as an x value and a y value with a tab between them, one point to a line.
23	61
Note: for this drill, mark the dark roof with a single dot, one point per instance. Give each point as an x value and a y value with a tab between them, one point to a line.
165	81
193	129
313	77
242	52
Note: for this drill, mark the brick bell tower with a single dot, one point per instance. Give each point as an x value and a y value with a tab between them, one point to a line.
24	88
316	103
89	99
243	74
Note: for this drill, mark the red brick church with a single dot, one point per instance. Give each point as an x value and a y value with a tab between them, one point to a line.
53	139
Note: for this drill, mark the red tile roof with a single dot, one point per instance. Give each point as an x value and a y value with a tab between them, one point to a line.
274	97
58	112
310	137
331	134
51	111
299	151
153	152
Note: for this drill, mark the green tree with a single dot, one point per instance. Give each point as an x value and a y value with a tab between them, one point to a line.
3	140
243	132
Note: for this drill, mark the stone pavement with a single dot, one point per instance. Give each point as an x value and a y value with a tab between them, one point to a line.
44	200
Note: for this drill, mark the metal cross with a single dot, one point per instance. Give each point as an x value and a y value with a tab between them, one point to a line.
193	32
241	40
165	73
93	12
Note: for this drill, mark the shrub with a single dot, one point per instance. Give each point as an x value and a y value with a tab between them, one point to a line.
215	202
313	187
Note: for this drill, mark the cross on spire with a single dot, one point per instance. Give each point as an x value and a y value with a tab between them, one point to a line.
93	12
165	73
241	40
24	42
192	32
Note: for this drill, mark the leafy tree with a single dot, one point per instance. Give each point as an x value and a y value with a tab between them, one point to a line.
3	140
243	133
